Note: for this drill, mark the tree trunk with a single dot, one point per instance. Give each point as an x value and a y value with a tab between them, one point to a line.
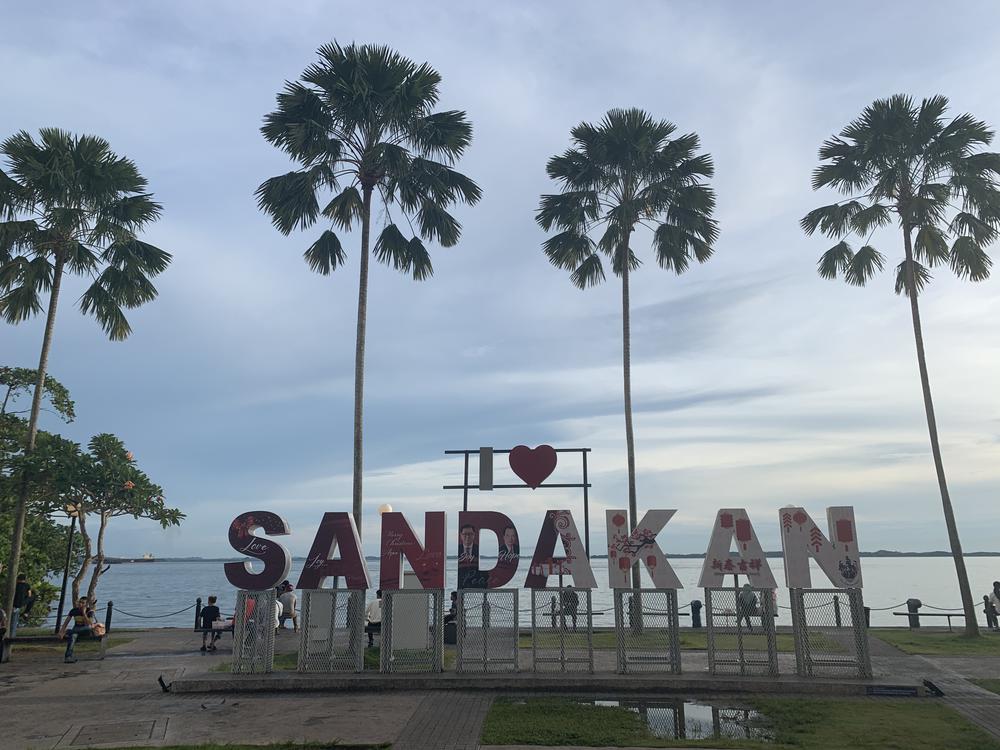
971	626
99	560
21	512
359	355
88	556
627	378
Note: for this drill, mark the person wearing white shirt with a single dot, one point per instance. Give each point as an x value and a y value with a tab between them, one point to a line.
373	617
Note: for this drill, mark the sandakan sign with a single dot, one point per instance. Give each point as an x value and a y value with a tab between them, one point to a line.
733	549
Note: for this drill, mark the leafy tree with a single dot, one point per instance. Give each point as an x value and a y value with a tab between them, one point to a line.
623	175
43	548
68	204
361	124
907	165
108	484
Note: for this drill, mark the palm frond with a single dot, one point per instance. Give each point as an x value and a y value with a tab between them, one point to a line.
106	309
445	134
833	220
345	208
290	200
437	224
863	266
568	249
408	256
921	277
836	260
930	246
969	260
590	272
325	254
568	210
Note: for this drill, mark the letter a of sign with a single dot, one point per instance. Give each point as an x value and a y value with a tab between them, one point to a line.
399	541
558	524
335	530
802	539
275	557
749	559
626	550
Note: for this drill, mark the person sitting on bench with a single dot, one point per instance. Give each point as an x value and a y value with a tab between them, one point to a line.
210	615
373	616
82	617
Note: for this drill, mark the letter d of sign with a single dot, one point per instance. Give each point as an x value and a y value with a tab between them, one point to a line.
275	557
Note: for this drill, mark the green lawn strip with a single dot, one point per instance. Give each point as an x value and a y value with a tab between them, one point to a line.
993	685
938	643
834	724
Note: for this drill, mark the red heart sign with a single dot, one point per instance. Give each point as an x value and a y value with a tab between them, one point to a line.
533	465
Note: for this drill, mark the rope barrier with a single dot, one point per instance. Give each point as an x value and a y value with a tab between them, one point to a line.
153	617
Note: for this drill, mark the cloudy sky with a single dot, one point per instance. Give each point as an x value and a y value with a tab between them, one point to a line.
756	383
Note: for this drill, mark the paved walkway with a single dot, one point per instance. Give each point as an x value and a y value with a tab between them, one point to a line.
48	705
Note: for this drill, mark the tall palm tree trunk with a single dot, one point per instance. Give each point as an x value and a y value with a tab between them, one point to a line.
971	626
627	378
359	354
21	512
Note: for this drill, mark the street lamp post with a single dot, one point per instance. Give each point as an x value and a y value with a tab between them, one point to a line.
73	512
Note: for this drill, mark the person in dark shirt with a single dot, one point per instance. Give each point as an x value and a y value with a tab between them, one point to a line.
210	614
23	599
82	618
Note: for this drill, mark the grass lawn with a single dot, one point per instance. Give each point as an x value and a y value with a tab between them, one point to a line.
938	643
912	724
993	685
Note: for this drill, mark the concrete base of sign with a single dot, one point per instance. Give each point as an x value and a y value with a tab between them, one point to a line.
532	682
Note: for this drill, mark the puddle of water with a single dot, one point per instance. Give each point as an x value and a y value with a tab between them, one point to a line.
696	720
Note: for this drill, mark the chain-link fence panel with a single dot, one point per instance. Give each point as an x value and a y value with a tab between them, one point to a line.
830	634
740	628
412	631
254	622
487	630
562	630
646	628
332	635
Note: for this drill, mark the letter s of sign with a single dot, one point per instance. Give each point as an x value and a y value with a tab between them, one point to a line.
277	561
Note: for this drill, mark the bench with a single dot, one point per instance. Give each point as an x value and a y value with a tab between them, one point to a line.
28	639
918	615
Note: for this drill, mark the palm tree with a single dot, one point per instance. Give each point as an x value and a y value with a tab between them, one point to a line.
361	123
907	165
69	205
622	175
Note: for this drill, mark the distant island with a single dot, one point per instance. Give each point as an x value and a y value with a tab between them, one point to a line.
147	558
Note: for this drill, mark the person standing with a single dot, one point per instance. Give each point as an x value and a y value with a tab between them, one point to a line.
288	603
82	619
23	599
746	605
995	601
570	604
209	615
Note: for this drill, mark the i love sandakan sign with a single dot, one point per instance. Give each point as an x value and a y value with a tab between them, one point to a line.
835	551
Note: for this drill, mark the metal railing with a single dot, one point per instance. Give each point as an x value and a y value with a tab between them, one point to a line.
488	631
646	628
740	628
254	623
331	638
562	630
830	633
412	631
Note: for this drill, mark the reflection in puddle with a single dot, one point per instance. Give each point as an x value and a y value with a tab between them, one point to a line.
696	720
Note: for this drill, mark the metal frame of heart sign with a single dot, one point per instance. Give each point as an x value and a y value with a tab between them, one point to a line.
533	466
